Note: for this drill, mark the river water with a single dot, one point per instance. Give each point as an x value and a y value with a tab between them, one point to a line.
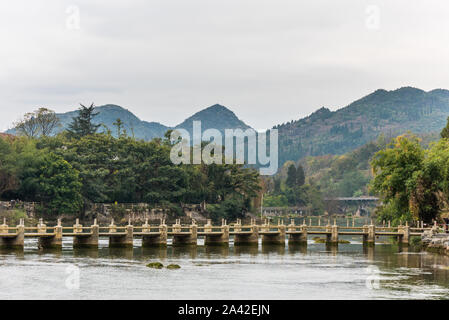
314	272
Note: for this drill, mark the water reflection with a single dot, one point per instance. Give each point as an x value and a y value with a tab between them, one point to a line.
54	251
368	250
297	248
332	248
5	252
180	252
273	248
246	250
121	253
298	271
154	252
219	251
86	252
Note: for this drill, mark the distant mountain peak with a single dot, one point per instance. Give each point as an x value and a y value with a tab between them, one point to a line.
111	107
217	117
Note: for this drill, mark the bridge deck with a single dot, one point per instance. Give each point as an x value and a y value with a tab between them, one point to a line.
8	235
213	233
183	233
112	234
240	233
40	235
76	234
147	233
269	233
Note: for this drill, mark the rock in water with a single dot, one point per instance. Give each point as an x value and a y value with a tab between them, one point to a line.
155	265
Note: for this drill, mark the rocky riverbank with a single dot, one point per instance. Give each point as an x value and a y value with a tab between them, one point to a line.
435	241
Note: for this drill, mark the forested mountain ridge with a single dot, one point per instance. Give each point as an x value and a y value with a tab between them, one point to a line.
388	112
323	132
216	117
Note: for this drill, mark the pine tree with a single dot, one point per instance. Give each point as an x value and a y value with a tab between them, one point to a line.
300	176
291	176
82	124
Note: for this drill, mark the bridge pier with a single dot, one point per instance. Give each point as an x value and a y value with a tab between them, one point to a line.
247	239
217	239
331	234
52	241
16	241
87	240
297	238
156	240
405	234
185	239
277	239
369	235
122	241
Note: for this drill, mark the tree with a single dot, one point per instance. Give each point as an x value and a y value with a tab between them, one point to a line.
50	180
397	171
300	176
59	186
119	125
47	121
28	125
82	125
445	132
41	122
8	178
291	176
277	186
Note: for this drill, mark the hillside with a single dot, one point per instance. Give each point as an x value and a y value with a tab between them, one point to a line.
348	174
388	112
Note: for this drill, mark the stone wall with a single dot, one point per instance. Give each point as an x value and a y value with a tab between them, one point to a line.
137	212
28	207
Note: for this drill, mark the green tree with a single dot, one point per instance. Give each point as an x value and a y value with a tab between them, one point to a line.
28	125
445	132
300	176
396	171
119	125
59	186
49	179
291	176
83	125
41	122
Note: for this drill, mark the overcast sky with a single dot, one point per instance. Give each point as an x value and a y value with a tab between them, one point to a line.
270	61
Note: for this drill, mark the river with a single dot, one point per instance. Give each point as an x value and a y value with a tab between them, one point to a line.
314	272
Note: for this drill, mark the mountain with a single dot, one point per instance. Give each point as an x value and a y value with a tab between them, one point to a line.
215	117
323	132
382	112
109	113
